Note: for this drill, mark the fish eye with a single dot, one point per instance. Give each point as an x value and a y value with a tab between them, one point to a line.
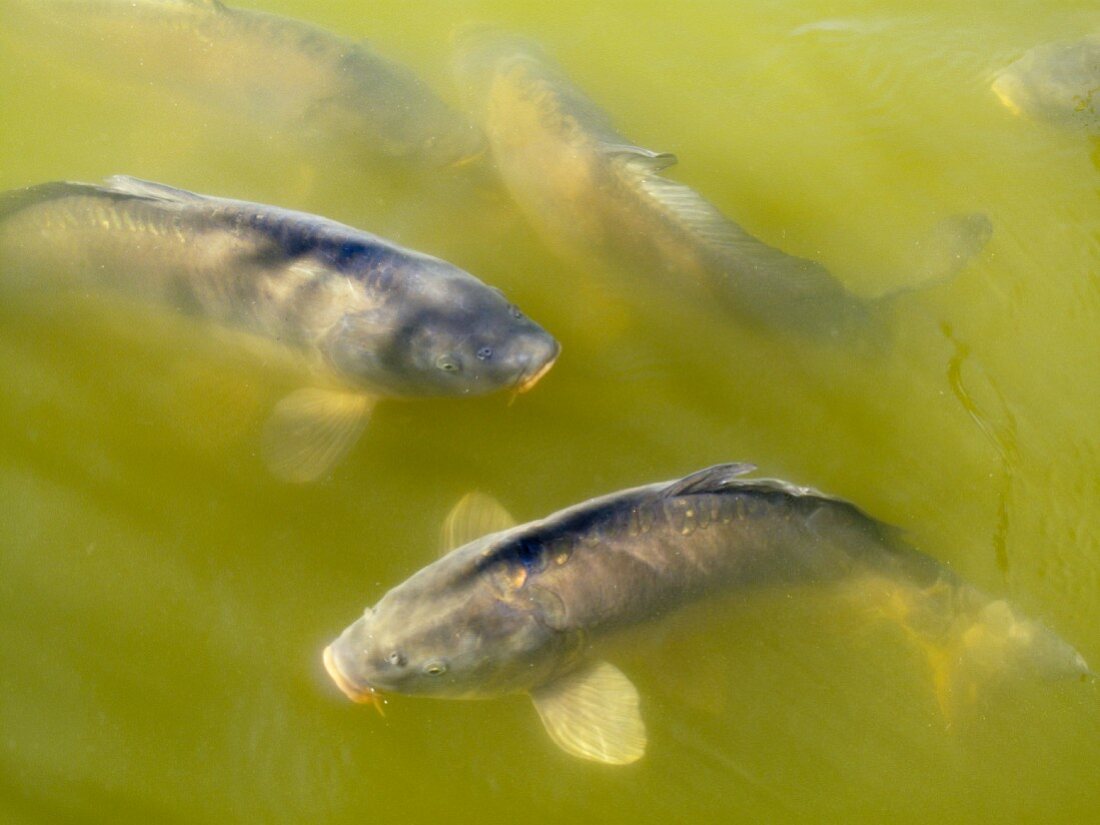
513	310
396	658
435	668
485	353
447	363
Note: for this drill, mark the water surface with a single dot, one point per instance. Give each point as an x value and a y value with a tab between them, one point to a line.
164	602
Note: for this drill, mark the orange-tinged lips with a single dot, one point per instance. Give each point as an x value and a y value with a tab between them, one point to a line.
367	696
534	377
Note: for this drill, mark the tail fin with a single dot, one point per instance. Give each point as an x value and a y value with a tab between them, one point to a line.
968	639
941	253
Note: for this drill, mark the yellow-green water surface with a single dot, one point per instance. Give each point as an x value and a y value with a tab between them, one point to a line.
164	602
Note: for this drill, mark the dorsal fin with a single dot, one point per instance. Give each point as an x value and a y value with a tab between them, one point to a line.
711	480
778	485
646	161
722	477
706	222
769	282
126	185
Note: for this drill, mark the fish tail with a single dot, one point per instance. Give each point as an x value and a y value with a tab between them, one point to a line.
968	639
940	254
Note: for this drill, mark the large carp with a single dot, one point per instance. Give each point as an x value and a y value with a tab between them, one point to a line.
274	70
525	608
593	194
368	318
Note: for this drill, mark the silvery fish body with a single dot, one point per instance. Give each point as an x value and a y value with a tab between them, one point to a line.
368	317
592	193
276	70
1056	82
522	609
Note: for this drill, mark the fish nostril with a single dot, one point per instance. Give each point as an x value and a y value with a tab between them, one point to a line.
396	658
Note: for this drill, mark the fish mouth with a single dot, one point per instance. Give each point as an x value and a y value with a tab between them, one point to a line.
527	382
364	696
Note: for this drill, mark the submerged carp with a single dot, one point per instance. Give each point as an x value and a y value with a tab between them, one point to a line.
278	71
591	192
367	317
1056	82
524	608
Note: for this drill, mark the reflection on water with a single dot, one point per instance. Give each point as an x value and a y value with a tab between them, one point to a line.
164	602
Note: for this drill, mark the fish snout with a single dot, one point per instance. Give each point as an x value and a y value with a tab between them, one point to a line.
360	694
536	361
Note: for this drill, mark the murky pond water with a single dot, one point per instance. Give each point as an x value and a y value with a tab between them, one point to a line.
164	601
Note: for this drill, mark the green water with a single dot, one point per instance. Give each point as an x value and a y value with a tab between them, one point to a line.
164	602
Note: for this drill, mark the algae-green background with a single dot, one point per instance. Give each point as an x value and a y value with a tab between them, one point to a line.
163	603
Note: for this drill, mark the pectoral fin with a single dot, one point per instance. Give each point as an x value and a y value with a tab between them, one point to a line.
593	713
475	515
310	430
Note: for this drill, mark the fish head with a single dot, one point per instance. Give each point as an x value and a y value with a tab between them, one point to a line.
488	60
1054	82
454	630
446	334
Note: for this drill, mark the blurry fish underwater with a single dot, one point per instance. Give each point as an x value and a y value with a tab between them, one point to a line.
1056	82
274	69
366	317
591	192
525	608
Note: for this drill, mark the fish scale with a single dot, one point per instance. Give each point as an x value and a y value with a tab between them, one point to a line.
363	317
275	71
595	196
510	612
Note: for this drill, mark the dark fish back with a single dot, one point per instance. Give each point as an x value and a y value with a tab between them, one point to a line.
635	555
293	235
222	260
820	523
